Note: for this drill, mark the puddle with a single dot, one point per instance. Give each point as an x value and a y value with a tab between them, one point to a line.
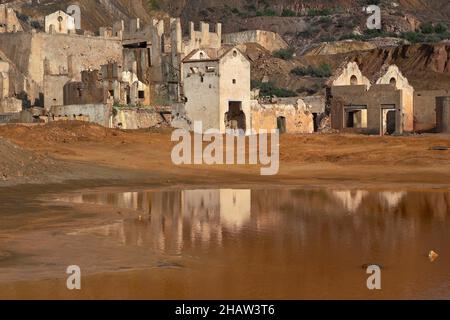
268	243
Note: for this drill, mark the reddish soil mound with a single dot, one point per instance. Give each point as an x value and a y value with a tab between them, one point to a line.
17	163
59	132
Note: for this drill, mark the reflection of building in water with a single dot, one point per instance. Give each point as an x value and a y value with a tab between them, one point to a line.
392	199
351	199
235	207
209	211
175	219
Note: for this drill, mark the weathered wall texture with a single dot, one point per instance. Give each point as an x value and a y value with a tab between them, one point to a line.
53	95
65	53
87	91
443	114
298	118
59	22
269	40
425	109
8	20
394	76
234	85
4	79
202	92
203	38
378	98
137	118
350	74
10	105
95	113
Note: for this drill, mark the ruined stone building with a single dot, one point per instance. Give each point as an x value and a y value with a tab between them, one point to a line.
8	20
8	104
426	104
286	115
45	62
60	22
216	87
124	87
88	90
385	107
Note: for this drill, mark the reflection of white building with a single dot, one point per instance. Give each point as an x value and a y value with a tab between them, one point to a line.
351	199
209	211
235	207
392	199
172	220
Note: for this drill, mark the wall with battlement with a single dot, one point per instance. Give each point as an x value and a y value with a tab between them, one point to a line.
269	40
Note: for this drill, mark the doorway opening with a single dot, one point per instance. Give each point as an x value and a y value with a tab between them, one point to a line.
235	118
355	117
388	120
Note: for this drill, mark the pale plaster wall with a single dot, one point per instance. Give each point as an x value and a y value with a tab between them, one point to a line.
298	118
425	108
61	22
401	83
344	78
53	90
132	119
10	105
65	53
4	79
234	66
202	97
95	113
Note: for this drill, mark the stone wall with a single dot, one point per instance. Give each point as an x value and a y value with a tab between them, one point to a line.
10	105
95	113
269	40
425	109
349	74
139	118
443	114
393	76
378	98
61	53
297	117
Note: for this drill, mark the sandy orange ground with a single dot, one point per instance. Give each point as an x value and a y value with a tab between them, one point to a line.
144	157
101	157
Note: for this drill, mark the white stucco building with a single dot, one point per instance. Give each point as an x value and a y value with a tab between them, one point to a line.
216	88
59	22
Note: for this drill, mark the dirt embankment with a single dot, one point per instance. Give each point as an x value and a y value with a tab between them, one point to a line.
79	151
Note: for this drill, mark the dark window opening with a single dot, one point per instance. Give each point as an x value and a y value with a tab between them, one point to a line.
281	124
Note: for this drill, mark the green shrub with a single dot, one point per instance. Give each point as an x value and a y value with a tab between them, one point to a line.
427	28
440	28
285	54
413	37
154	4
288	13
270	90
322	71
320	12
